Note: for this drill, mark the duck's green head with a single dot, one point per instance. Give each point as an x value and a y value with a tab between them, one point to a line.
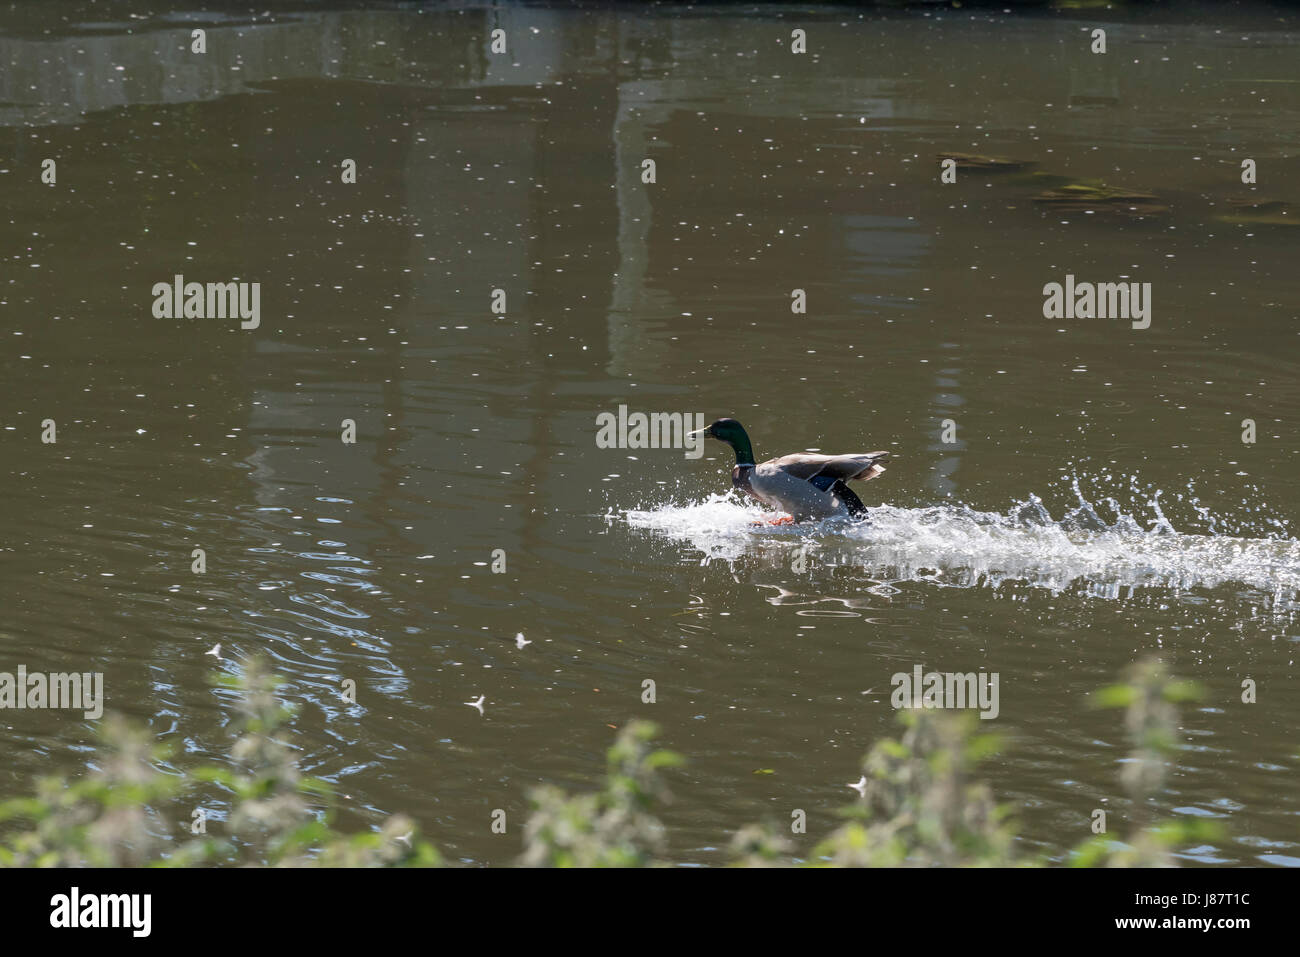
734	434
728	430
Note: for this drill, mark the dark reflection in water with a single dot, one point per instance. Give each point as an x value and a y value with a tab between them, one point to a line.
1097	502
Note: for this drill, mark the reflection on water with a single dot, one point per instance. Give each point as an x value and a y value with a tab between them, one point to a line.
372	561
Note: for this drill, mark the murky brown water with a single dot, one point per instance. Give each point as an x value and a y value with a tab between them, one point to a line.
476	431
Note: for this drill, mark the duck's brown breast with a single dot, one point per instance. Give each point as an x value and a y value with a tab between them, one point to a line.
740	476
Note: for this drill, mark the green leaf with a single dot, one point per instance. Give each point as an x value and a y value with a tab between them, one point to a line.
1114	696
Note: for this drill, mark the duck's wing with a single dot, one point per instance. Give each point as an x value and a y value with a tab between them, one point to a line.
824	471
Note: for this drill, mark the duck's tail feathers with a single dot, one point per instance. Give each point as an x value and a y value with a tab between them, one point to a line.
872	470
851	502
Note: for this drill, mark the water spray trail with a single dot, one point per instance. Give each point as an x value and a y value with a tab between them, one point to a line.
959	546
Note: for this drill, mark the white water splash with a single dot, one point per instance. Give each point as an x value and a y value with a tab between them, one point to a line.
957	546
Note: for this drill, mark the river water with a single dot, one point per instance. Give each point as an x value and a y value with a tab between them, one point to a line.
1065	496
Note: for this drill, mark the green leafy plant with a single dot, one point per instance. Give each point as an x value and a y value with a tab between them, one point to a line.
921	803
612	828
278	817
103	820
1150	698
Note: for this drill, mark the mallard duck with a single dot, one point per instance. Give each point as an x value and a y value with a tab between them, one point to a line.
806	485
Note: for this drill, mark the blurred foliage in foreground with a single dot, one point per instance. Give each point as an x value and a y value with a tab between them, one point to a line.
277	816
920	805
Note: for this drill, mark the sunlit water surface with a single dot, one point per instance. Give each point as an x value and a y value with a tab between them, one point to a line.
1098	505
